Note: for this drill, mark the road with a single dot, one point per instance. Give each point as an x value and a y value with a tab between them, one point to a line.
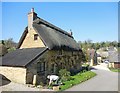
104	81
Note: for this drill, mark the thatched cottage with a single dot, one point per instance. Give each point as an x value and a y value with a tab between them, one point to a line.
43	49
114	59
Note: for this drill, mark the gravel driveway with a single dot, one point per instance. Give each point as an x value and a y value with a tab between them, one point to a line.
11	86
104	81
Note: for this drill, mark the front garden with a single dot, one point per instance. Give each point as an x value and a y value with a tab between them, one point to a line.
68	80
77	79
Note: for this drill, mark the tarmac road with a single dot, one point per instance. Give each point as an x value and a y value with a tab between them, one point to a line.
104	81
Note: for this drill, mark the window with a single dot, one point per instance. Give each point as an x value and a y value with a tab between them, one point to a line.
52	68
41	67
35	36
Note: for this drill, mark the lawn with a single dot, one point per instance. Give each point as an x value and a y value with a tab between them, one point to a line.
77	79
115	70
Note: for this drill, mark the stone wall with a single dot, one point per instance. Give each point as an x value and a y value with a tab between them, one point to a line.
117	65
29	41
15	74
61	60
111	65
32	71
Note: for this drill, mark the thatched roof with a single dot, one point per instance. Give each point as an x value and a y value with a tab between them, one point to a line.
114	56
52	36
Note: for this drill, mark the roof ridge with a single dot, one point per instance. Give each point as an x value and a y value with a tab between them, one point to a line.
52	26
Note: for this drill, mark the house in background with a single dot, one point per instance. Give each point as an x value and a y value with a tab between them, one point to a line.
43	49
99	58
93	56
102	53
114	59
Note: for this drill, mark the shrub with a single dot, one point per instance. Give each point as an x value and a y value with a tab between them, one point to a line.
41	83
85	67
64	75
77	79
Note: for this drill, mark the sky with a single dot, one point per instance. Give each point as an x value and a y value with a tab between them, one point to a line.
97	21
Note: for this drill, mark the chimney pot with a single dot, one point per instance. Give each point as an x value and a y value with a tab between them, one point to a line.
71	32
32	10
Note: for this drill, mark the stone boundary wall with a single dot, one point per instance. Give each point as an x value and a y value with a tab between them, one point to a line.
15	74
117	64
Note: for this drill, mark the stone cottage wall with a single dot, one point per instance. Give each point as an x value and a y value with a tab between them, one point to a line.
15	74
29	41
32	76
61	60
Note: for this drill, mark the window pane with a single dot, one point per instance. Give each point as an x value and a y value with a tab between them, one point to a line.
35	36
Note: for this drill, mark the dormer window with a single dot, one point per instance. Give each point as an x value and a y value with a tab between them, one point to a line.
35	36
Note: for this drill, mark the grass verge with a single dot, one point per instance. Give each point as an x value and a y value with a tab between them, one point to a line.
115	70
77	79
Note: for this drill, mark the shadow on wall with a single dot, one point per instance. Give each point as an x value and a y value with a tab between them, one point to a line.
4	80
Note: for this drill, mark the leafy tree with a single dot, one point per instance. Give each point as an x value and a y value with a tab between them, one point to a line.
97	45
3	50
9	44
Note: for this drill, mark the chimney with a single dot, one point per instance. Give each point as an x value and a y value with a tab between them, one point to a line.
71	33
32	10
31	17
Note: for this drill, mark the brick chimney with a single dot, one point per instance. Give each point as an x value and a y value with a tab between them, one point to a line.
31	17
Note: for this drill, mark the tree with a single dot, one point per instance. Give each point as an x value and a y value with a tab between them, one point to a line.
3	50
9	44
92	46
115	43
103	44
97	46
